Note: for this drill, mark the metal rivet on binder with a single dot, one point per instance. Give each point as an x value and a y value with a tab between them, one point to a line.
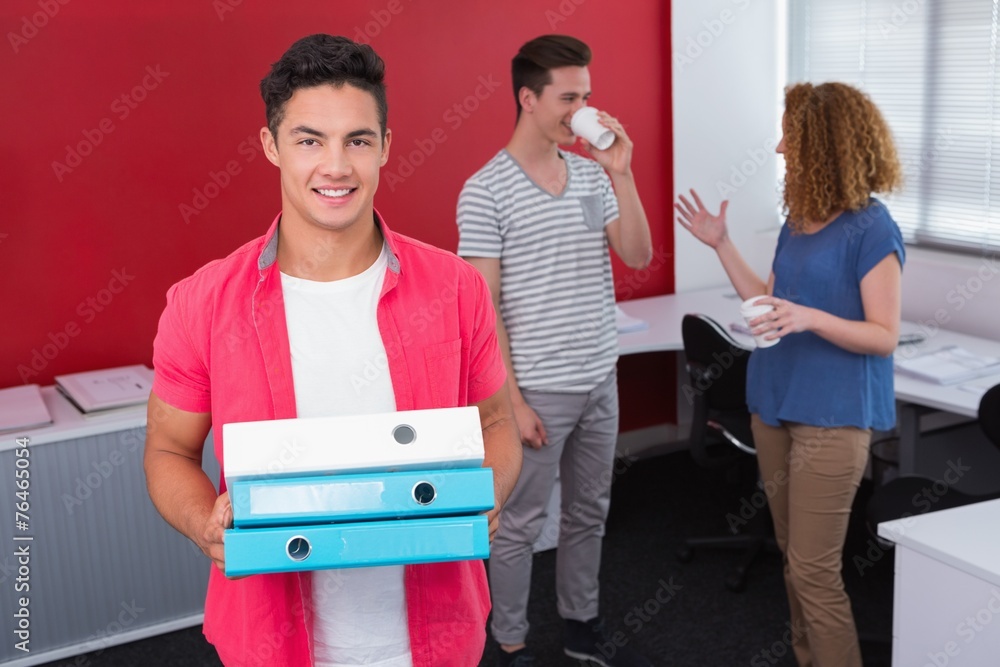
298	548
424	493
404	434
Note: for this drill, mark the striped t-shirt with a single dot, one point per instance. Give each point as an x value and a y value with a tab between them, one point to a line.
556	288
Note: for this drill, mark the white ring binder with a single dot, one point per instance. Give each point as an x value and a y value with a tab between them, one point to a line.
440	438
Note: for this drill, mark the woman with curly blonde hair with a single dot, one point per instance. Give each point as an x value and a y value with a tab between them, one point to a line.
816	396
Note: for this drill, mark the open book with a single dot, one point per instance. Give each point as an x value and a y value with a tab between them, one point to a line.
948	365
95	391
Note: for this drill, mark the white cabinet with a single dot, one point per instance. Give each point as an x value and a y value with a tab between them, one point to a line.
102	567
946	607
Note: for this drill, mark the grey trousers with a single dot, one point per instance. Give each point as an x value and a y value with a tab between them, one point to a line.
582	431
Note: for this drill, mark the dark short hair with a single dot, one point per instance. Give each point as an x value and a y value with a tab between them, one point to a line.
531	67
319	60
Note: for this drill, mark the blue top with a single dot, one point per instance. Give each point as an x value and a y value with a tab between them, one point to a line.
804	378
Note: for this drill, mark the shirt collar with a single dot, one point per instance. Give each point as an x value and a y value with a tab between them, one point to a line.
269	253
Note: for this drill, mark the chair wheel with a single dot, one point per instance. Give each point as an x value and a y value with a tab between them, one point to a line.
684	553
735	583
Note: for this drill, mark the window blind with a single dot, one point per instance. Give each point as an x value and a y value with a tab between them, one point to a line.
931	67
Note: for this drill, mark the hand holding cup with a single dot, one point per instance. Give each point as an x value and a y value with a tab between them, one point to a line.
751	310
585	123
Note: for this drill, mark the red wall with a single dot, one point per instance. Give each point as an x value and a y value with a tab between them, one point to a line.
131	155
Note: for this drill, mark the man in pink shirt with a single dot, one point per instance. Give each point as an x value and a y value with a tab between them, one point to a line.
293	324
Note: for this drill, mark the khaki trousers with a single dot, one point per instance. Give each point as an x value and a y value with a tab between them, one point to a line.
811	475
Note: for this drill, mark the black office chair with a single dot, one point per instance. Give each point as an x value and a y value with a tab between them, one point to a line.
896	498
720	433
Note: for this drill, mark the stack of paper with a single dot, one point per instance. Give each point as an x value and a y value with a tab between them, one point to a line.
982	385
947	365
382	489
98	391
22	408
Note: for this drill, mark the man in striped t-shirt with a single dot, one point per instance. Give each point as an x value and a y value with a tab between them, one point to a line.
537	222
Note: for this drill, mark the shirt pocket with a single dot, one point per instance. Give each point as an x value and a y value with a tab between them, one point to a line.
444	373
592	207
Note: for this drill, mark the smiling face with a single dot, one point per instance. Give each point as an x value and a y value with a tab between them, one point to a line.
552	110
329	149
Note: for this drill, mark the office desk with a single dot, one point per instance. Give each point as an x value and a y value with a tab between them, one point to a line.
952	398
946	605
915	397
105	568
664	314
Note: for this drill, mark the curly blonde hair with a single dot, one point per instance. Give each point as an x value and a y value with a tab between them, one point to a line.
838	151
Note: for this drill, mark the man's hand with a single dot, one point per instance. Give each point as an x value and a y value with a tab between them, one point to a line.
210	541
617	158
502	451
494	518
530	425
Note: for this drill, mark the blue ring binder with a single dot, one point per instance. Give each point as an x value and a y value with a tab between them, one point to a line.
364	544
360	497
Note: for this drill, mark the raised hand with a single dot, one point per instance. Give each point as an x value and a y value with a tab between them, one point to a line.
707	228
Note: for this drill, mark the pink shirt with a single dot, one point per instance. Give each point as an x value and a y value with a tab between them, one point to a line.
222	347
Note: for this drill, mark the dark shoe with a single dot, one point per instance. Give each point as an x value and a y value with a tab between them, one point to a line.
590	642
518	658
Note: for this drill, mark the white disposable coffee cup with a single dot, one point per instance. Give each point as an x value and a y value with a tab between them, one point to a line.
750	310
585	124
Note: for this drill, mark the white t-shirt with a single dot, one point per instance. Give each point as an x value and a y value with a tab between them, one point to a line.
339	367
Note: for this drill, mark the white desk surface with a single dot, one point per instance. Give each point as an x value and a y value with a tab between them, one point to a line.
950	398
664	314
964	538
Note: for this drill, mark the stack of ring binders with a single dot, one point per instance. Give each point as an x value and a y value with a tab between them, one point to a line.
385	489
